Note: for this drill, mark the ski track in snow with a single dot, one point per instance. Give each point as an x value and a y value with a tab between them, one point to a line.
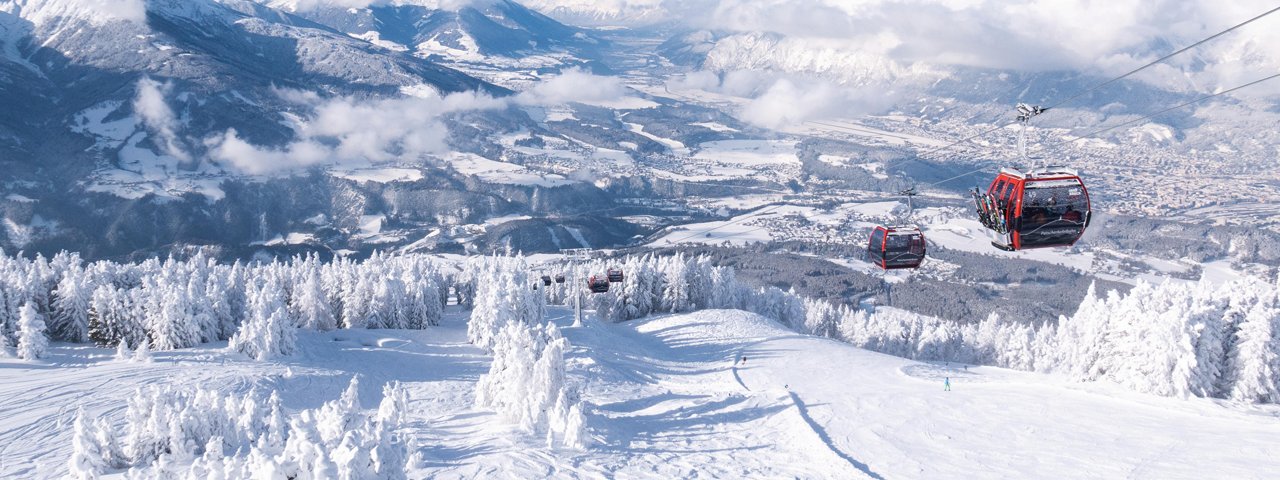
803	410
667	398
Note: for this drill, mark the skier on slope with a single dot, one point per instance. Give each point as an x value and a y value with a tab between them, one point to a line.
946	384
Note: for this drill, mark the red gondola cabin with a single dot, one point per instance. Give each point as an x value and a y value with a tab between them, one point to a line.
893	248
598	284
1041	208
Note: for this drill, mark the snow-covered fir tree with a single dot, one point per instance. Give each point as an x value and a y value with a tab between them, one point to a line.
1256	359
87	458
526	384
180	433
33	343
71	307
311	305
267	330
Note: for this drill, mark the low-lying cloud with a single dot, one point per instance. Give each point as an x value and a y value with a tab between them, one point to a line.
156	114
96	11
1100	37
348	130
308	5
778	100
573	85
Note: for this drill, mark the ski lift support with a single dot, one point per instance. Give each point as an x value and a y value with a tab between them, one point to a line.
576	255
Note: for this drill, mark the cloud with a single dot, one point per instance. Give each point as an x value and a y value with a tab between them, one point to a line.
787	102
97	12
573	85
232	151
350	130
1104	37
308	5
156	114
778	99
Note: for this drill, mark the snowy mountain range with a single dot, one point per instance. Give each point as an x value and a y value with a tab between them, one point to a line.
468	30
285	126
379	239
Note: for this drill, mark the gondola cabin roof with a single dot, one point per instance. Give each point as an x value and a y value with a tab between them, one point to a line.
1045	173
902	230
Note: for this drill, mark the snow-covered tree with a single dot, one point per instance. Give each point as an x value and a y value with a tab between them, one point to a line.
86	454
169	320
526	384
143	353
1256	372
71	307
32	341
503	296
675	293
5	349
114	318
168	427
267	330
311	305
123	352
355	303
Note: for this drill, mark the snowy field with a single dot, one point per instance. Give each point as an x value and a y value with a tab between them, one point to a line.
668	400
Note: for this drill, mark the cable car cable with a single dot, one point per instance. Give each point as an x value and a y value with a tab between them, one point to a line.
1100	85
1129	122
1060	103
1175	107
1161	59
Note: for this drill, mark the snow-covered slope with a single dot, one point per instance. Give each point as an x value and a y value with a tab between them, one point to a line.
467	31
673	396
604	12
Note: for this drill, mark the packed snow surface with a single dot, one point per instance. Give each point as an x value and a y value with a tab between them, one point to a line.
718	393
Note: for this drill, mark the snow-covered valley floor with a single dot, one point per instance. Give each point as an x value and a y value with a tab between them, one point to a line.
670	401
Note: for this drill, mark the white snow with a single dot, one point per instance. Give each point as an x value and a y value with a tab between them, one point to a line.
501	172
110	133
380	175
749	152
469	52
675	145
371	224
577	236
624	103
668	398
739	230
716	126
849	128
375	38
